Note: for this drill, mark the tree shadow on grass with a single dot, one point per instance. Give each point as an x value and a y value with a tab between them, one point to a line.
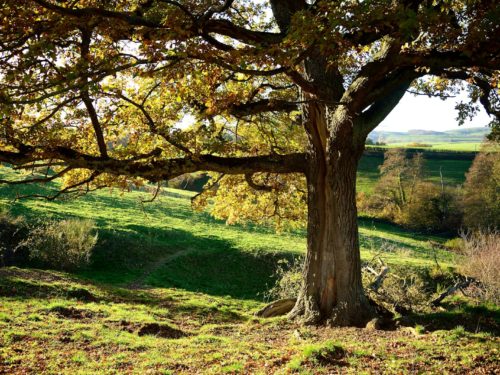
176	258
32	285
207	264
466	317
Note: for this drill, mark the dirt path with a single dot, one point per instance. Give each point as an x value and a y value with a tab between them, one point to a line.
139	282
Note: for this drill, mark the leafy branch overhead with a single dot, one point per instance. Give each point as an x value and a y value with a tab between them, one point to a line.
104	85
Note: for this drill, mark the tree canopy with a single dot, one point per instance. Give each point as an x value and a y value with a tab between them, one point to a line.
103	85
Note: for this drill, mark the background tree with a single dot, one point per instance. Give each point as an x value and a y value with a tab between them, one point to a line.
433	208
482	190
404	196
399	177
96	89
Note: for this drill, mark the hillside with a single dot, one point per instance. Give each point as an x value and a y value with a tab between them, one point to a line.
173	291
467	135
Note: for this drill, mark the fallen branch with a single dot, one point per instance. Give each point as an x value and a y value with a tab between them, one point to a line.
377	283
451	290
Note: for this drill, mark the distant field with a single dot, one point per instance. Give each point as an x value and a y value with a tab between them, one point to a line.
440	146
459	135
453	171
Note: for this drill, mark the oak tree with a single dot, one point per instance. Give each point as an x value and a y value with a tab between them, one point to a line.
283	92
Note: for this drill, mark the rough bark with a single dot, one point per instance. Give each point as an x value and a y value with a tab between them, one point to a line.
332	291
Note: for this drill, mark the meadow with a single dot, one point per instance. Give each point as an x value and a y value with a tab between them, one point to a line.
174	291
439	146
451	167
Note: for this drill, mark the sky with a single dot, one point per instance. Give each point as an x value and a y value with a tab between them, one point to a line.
422	112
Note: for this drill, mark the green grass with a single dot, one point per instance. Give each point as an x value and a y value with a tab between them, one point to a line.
48	332
438	146
453	171
198	276
212	257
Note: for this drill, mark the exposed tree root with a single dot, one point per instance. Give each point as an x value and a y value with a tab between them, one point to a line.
277	308
339	316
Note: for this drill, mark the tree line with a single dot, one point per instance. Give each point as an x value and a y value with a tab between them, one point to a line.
404	195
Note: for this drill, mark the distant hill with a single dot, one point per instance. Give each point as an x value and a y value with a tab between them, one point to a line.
431	136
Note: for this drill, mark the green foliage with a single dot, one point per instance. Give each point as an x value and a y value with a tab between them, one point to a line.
396	185
432	209
65	244
288	276
402	195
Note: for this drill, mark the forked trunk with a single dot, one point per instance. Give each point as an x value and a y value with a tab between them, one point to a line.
332	291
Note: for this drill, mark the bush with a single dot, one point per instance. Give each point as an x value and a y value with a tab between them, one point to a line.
482	262
65	245
12	231
431	209
288	277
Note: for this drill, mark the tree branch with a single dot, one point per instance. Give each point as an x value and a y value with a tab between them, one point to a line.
152	125
256	186
153	169
260	106
94	118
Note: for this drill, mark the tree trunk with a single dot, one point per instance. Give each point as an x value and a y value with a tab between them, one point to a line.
332	291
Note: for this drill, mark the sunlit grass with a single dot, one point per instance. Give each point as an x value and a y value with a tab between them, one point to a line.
206	279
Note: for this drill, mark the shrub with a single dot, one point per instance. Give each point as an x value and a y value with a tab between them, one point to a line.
482	262
288	277
65	245
432	209
12	232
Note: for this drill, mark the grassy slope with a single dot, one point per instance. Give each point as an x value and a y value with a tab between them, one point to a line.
206	279
217	258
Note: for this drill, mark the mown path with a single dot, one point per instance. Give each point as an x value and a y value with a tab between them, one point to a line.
139	283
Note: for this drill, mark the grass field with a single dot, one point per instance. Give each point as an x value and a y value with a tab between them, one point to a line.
453	171
440	146
169	225
172	291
